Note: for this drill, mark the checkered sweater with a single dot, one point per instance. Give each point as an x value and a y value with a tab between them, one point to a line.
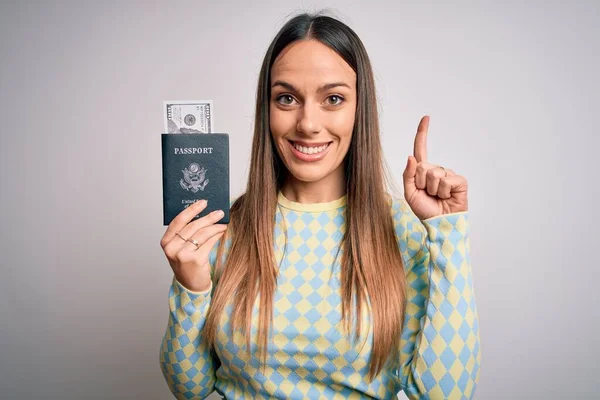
310	356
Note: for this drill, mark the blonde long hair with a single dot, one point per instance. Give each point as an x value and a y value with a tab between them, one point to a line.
371	263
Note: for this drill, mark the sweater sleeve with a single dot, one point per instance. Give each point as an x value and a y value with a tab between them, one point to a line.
185	361
440	345
187	364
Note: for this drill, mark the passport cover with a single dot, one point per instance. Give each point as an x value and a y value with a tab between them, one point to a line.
195	166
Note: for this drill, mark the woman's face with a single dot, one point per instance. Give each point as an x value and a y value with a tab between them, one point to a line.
312	109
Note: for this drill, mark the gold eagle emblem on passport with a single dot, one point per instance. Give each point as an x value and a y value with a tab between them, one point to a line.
194	178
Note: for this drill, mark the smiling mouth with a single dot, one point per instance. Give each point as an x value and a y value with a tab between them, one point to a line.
310	149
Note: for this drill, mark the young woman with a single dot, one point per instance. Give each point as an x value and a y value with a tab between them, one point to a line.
324	285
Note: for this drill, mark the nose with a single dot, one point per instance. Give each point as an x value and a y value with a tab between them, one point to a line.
309	121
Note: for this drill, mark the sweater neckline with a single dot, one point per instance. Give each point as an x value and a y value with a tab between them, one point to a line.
311	207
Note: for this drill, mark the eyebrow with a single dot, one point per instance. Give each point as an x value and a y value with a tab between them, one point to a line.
323	88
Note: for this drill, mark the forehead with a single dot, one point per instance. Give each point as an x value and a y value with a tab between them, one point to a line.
310	61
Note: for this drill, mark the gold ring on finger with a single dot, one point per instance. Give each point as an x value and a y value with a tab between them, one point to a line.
445	172
192	241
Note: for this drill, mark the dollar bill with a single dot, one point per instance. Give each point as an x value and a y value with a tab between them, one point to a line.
189	116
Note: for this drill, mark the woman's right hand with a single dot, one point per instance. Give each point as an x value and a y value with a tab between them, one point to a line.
190	263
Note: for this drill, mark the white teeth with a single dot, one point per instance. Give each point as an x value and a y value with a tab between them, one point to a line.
310	150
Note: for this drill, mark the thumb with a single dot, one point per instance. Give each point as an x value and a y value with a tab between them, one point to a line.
409	177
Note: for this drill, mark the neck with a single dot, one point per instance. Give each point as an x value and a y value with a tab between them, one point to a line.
330	188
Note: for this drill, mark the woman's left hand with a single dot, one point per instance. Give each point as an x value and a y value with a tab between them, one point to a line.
430	189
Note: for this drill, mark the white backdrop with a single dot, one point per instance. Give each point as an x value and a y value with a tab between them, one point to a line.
513	95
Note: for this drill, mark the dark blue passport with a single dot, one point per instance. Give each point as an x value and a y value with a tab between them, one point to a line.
195	166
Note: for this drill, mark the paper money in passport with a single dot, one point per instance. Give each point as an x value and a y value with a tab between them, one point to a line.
195	167
188	116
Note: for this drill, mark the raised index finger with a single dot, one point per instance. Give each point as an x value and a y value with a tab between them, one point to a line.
420	146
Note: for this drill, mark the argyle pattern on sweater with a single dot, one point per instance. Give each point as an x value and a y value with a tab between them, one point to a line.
310	356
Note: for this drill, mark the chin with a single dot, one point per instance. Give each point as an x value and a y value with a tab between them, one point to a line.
311	173
308	177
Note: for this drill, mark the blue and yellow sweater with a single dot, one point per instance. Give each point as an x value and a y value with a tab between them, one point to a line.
310	356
